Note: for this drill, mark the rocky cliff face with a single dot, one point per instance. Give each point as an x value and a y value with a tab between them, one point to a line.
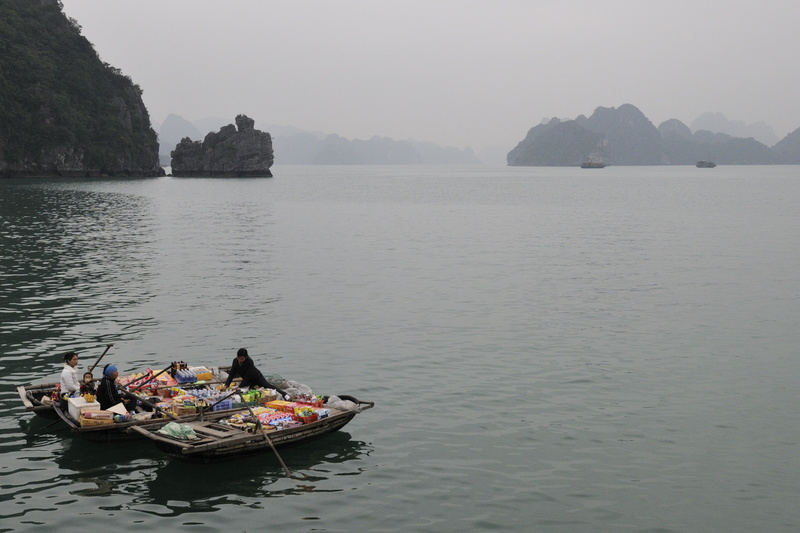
234	151
65	112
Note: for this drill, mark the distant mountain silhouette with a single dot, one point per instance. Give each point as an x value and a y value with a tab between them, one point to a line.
294	146
789	147
624	136
717	123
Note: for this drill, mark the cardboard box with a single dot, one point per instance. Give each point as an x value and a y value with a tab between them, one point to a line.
86	422
280	405
96	414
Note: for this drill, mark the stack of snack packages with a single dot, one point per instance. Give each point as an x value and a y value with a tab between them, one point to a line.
269	418
276	414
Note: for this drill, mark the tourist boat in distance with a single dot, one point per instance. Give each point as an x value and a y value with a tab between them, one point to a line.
593	164
705	164
218	442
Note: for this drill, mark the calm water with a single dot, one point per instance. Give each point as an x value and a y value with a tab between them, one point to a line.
550	350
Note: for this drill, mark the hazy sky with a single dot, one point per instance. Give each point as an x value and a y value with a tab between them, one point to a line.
455	72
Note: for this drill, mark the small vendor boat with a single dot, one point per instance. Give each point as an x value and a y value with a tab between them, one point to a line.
214	440
120	431
39	399
33	399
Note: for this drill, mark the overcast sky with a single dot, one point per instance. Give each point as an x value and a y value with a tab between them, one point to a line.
454	72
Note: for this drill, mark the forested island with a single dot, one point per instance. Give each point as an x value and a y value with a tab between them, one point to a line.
625	136
63	111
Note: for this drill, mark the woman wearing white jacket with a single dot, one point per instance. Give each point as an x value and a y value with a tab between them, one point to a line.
70	384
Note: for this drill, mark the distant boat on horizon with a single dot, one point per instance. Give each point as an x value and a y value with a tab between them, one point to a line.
705	164
593	164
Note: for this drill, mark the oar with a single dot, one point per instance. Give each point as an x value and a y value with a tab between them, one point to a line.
223	398
53	423
128	394
108	346
151	378
266	438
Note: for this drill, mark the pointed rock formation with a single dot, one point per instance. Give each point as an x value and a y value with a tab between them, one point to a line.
234	151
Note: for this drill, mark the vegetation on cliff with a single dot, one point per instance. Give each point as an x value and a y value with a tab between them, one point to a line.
63	111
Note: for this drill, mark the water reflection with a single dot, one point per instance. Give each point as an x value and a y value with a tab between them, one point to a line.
261	476
74	266
154	484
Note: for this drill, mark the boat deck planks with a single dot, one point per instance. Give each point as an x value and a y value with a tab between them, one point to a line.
217	441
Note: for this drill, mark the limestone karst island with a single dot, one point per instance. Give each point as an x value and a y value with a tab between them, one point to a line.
239	151
65	112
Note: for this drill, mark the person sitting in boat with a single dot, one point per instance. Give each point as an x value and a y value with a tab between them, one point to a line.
87	386
107	393
244	367
70	386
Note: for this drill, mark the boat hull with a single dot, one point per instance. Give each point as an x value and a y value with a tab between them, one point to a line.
120	431
220	445
31	396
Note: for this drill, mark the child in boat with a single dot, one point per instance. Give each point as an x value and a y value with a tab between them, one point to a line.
87	387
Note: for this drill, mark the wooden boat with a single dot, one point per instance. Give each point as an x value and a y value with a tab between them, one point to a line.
705	164
35	397
118	431
31	396
218	442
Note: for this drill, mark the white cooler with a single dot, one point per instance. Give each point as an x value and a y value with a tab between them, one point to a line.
76	405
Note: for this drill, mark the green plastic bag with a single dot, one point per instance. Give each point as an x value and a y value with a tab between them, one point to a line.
178	431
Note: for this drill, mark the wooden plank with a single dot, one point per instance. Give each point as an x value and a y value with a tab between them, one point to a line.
24	397
204	429
154	435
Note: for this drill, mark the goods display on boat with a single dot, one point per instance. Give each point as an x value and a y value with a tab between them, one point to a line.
182	394
243	432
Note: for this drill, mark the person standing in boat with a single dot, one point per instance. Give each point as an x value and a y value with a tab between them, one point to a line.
244	367
108	394
70	384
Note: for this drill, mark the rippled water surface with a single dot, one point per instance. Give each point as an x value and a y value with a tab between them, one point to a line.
548	349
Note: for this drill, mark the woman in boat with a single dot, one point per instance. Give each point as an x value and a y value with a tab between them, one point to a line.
107	393
244	367
70	385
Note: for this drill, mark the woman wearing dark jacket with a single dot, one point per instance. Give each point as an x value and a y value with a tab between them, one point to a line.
244	367
107	393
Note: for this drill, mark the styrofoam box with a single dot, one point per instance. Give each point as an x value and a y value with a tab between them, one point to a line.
76	405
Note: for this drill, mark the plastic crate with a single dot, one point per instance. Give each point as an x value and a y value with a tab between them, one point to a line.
308	419
223	405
